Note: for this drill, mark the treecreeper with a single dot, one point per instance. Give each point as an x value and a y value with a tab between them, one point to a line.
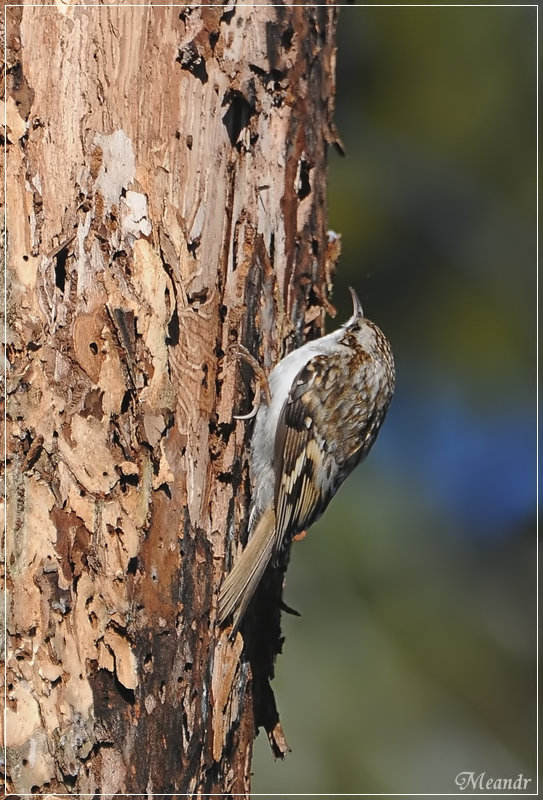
326	403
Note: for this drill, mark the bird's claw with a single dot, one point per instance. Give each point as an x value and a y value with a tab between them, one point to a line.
237	350
250	415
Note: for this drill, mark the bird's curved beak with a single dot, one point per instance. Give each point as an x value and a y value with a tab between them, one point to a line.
357	305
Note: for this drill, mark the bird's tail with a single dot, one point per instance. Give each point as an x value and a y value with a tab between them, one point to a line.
240	585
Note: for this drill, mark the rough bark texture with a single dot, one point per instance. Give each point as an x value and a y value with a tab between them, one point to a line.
165	198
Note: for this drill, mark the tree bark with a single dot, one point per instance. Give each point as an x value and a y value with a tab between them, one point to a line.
166	197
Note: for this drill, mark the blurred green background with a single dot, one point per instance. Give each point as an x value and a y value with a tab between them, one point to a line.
414	659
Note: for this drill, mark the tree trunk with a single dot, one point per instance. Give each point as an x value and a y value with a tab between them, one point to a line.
165	198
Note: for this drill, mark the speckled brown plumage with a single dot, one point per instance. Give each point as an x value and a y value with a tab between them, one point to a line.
328	401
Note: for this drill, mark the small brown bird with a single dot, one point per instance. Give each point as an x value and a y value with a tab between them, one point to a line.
327	402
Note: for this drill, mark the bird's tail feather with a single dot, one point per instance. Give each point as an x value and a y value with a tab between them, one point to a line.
240	585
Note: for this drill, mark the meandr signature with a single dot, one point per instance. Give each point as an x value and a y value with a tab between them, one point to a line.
481	782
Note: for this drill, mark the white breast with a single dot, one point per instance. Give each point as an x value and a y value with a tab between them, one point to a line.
267	419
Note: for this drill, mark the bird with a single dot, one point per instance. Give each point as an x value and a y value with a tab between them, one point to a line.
324	405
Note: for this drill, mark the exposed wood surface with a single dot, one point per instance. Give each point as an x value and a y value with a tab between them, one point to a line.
165	198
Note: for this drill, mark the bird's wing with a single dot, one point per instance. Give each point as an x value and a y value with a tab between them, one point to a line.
302	490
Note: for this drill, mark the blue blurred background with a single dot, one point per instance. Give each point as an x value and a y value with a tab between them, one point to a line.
414	659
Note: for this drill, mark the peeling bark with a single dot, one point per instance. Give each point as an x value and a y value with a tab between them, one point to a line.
165	198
